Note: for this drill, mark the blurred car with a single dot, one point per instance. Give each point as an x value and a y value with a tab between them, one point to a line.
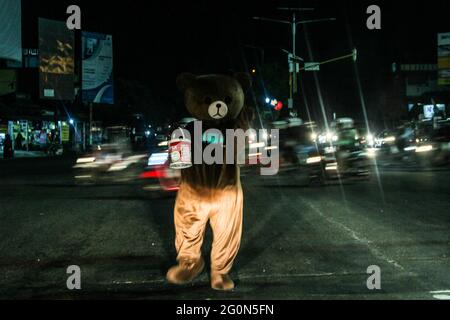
111	161
433	149
107	163
157	176
340	153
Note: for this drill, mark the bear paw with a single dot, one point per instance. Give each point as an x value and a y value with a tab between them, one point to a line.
185	271
221	282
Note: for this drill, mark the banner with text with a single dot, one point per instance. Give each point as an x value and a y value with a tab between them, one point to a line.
97	66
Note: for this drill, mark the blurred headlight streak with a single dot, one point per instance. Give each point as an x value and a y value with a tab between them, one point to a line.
424	148
157	159
311	160
255	154
86	160
163	144
331	167
257	145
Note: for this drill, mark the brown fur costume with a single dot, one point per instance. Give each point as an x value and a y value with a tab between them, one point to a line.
210	192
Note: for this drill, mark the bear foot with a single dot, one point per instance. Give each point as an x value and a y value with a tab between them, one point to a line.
221	282
185	271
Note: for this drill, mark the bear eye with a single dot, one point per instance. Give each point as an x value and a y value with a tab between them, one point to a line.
228	100
208	100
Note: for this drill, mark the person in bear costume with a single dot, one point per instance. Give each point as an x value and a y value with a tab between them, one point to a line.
210	192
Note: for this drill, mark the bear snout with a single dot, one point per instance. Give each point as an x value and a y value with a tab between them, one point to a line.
218	110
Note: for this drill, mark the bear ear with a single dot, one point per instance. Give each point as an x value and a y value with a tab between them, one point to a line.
244	80
185	80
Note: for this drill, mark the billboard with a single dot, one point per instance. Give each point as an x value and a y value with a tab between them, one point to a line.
97	66
10	30
56	60
444	59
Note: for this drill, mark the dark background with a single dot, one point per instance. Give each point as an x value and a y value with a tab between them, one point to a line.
156	40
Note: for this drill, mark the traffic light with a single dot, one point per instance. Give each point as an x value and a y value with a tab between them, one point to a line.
279	106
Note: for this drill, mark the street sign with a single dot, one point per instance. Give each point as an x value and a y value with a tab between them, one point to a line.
65	132
312	66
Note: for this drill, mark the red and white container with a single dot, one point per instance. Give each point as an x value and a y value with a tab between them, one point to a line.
180	153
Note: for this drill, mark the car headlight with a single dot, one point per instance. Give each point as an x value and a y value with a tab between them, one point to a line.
312	160
424	148
86	160
158	159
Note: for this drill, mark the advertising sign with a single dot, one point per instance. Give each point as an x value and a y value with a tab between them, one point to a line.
97	66
11	30
444	59
56	60
65	132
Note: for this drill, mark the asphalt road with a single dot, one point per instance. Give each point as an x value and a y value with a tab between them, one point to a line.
299	242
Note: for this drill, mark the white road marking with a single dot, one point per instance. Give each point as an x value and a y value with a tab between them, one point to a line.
291	275
375	251
442	296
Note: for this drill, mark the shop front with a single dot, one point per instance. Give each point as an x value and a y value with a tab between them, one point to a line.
41	135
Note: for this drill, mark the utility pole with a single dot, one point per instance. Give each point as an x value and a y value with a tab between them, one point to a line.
91	107
293	57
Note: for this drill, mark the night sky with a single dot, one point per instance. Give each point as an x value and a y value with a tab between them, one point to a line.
156	40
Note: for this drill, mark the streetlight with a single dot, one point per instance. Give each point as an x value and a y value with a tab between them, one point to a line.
294	23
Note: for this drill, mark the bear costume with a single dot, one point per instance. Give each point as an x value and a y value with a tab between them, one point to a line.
210	192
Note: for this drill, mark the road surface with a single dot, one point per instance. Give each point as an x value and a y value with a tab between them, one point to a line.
299	242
